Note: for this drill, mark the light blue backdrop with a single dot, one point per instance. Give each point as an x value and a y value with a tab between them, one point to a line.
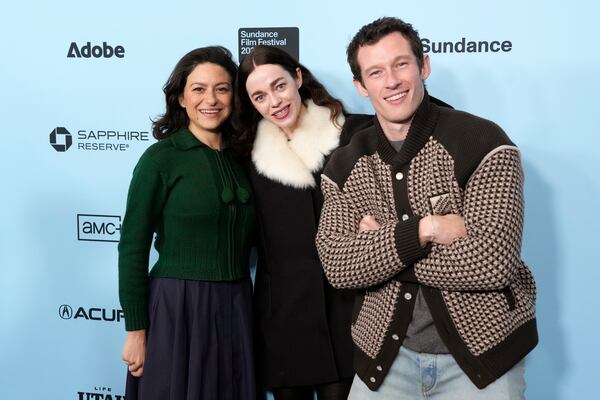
544	93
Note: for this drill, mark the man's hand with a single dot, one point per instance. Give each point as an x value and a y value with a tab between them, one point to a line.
134	352
368	223
441	229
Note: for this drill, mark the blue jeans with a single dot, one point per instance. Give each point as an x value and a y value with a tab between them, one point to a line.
421	376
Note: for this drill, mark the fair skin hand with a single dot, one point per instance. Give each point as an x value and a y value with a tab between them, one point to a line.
441	229
134	352
368	223
447	228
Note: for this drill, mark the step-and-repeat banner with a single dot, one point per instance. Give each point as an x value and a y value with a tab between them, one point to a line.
81	81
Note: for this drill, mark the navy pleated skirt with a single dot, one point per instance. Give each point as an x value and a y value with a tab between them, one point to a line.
199	342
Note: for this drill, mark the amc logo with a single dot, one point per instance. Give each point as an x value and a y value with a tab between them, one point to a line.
98	228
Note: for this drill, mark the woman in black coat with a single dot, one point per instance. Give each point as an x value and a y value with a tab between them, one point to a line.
290	125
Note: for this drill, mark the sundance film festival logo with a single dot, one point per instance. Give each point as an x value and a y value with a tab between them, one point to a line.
97	139
98	228
286	39
65	311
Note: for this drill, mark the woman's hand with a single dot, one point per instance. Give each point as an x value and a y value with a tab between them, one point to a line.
368	223
134	352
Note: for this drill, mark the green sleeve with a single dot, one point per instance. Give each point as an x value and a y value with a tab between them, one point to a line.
145	200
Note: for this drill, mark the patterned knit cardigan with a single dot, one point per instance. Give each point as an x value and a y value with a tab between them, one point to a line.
480	293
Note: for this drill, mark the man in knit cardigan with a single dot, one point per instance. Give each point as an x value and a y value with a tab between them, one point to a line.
424	213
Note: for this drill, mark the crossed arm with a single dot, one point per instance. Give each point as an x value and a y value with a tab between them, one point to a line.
476	251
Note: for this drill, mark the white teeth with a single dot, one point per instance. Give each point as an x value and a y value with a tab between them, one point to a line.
209	111
281	112
396	96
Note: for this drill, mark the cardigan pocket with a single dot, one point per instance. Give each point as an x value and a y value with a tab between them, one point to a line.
510	297
441	204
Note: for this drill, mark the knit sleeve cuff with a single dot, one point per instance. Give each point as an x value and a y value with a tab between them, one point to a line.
136	317
406	234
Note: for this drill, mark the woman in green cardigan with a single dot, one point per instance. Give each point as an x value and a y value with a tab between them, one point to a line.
188	320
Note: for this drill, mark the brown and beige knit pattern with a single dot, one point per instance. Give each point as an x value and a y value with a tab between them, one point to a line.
432	186
371	325
472	273
487	260
493	211
368	258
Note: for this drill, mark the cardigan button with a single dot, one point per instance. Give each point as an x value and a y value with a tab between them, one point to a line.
399	176
379	368
407	296
395	337
405	217
227	195
372	379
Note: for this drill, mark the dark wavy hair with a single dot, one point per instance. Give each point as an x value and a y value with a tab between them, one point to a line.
245	116
175	116
374	32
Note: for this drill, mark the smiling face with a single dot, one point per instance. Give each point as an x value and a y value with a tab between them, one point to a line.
207	98
391	78
274	94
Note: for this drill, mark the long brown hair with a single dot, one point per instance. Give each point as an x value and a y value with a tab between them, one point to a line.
246	118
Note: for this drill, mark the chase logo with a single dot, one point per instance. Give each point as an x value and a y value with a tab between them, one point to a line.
61	139
65	311
98	228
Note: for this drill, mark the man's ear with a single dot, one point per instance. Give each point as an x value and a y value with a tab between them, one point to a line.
360	87
426	69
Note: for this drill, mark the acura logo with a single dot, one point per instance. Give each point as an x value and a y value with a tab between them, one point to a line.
65	311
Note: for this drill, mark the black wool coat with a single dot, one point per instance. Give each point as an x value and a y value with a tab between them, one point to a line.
302	324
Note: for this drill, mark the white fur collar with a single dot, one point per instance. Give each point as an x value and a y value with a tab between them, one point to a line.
293	162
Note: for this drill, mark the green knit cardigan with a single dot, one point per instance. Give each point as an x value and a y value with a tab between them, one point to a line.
198	203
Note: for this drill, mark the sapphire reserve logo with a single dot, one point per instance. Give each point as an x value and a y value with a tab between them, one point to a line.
97	139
